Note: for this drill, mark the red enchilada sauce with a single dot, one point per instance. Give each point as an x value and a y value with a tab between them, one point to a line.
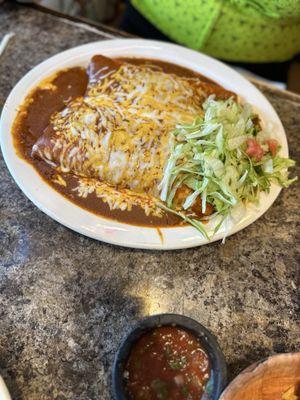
167	363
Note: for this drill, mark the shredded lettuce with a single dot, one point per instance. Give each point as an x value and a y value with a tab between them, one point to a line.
209	157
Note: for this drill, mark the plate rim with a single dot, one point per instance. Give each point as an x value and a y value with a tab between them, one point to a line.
119	45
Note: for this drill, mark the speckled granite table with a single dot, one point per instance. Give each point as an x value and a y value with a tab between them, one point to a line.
66	300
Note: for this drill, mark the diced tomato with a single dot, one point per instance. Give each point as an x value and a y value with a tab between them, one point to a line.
254	150
273	146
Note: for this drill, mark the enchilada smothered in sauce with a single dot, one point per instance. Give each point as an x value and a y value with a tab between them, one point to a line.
142	141
99	135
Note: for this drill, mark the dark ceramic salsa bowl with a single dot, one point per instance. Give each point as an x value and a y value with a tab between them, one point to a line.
218	377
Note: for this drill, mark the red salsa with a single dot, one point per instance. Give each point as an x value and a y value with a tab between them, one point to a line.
167	363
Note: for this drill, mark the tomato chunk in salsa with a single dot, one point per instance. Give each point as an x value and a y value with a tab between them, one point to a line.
167	363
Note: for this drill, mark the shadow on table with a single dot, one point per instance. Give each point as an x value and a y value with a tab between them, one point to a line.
62	343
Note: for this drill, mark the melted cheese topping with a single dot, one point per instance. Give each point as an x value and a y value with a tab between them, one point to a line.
119	132
123	199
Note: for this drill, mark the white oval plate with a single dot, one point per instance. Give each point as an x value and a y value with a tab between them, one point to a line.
4	394
89	224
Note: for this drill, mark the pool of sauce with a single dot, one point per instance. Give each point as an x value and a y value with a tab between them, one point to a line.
33	118
167	363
